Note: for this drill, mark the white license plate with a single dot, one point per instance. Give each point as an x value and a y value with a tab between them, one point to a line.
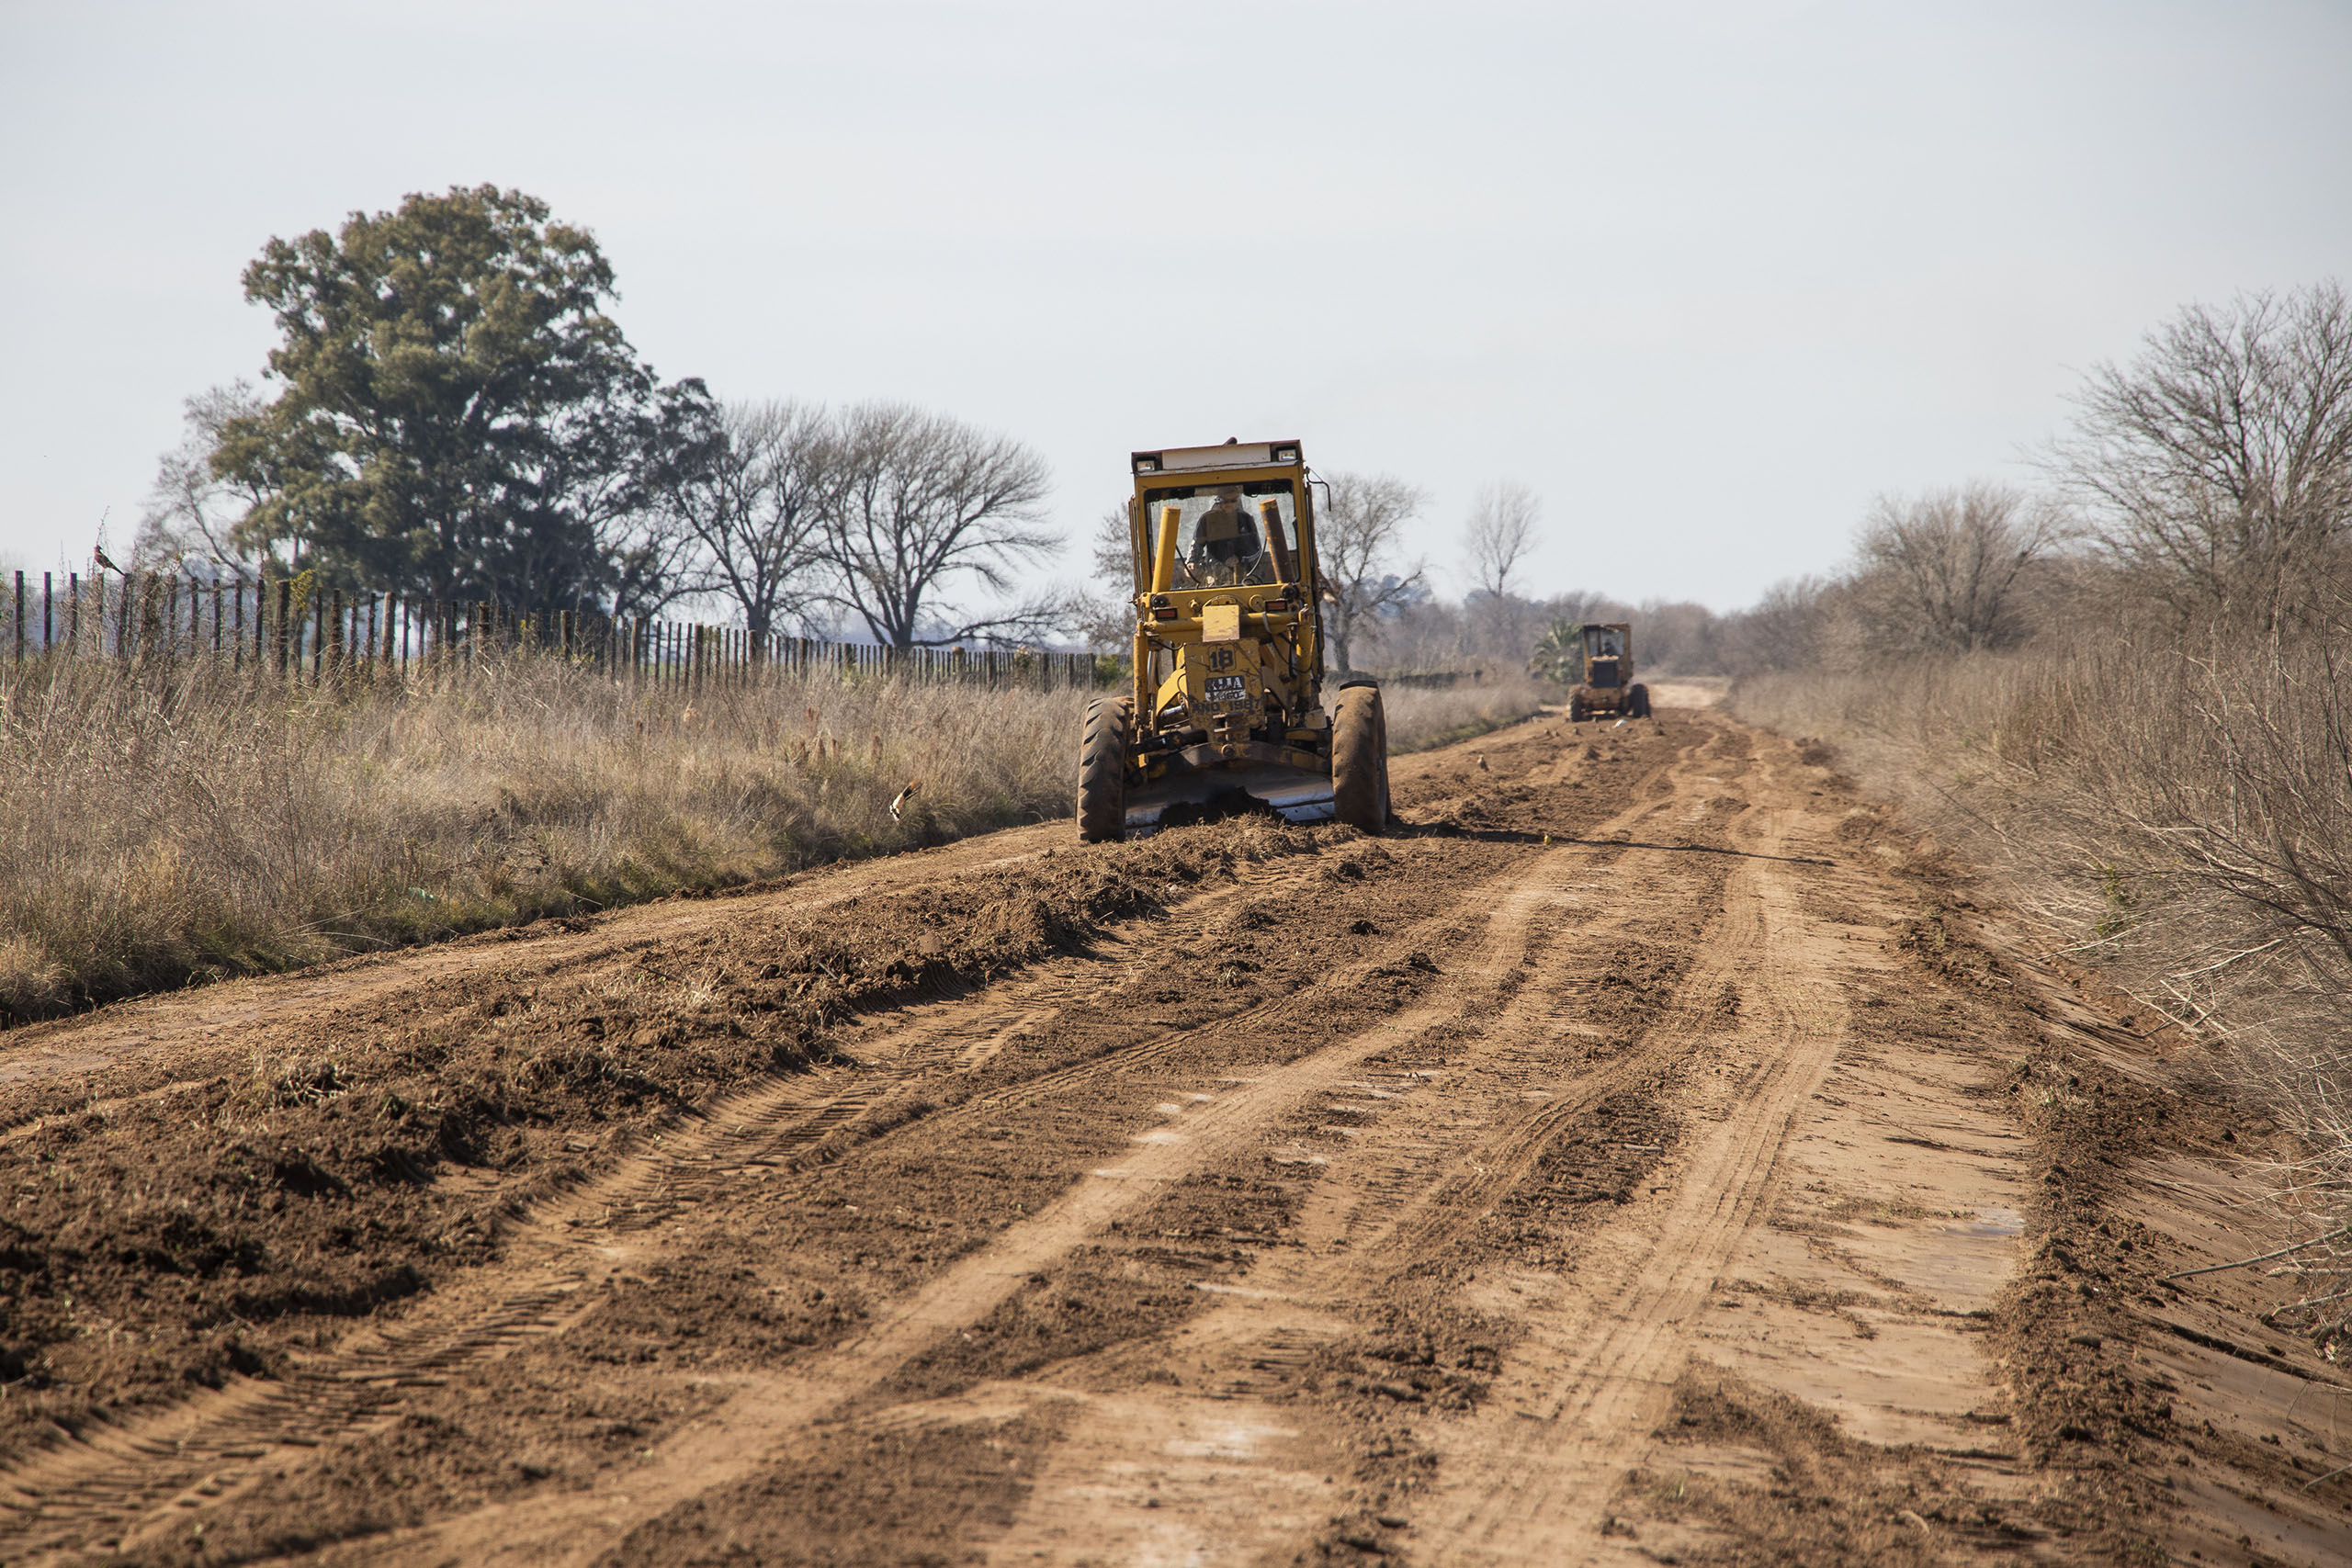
1225	689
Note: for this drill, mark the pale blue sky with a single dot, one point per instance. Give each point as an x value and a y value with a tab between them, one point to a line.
1707	276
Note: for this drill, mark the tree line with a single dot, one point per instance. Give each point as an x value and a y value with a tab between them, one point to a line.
452	414
2202	489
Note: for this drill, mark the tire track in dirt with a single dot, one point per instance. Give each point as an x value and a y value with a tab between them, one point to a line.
80	1492
734	1441
87	1491
1444	1145
1435	1185
203	1451
1518	1490
1234	1119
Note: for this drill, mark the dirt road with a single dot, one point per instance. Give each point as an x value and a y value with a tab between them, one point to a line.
1642	1155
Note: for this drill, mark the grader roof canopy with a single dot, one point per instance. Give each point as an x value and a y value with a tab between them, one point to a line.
1234	455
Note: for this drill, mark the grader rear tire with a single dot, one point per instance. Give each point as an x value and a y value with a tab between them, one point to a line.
1102	772
1360	760
1577	712
1641	696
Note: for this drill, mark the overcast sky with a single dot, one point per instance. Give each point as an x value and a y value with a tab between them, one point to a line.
1706	276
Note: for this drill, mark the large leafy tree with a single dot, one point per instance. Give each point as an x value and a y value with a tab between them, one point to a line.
460	417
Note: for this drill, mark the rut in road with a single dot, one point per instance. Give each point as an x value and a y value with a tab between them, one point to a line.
94	1491
1438	1148
1617	1024
88	1491
1526	1475
1231	1125
556	1258
1520	1491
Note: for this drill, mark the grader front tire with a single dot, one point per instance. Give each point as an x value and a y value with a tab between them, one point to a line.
1102	773
1360	760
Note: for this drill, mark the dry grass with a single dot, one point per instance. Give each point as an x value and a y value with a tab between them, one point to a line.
2181	817
1421	717
171	826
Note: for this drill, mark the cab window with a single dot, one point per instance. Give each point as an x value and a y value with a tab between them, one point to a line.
1221	530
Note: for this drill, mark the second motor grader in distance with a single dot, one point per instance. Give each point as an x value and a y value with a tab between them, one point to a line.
1595	661
1227	696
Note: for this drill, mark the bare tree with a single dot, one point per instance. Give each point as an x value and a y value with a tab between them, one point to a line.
2218	465
920	499
1500	532
1944	572
1113	555
747	496
1102	614
1794	626
192	514
1357	536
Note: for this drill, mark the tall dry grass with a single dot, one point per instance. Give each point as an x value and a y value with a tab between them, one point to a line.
2180	815
169	824
1421	717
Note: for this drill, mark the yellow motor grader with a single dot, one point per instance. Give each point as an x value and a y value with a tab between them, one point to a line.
1596	662
1226	699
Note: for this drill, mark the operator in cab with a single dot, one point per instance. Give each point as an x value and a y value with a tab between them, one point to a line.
1226	538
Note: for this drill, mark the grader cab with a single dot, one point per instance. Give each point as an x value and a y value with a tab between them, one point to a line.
1226	705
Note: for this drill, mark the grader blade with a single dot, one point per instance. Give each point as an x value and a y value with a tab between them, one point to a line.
1297	797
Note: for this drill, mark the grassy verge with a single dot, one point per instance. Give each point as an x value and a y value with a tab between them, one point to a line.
173	826
2178	816
1421	719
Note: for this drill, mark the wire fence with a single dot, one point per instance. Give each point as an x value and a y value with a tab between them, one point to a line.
295	630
